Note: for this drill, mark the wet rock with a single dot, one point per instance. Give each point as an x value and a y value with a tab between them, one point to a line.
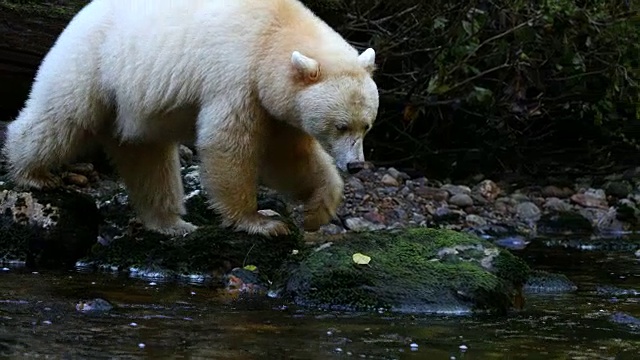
622	318
556	192
519	198
594	198
94	305
619	189
545	282
610	290
456	189
504	205
389	180
555	204
475	220
359	224
603	220
244	282
444	214
355	183
461	200
377	218
479	199
414	270
488	190
528	212
64	227
46	229
418	219
331	229
432	193
628	212
398	175
209	251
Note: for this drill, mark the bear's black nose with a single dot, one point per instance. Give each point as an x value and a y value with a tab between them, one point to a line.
355	167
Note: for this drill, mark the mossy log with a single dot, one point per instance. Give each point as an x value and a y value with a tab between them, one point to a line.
67	228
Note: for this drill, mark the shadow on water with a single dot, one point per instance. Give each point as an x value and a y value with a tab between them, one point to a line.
38	316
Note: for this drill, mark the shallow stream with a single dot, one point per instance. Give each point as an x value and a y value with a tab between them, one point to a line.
38	317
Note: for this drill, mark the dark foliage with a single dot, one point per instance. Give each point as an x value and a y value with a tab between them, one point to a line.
503	84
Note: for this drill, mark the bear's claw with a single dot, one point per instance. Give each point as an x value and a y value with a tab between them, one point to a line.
321	208
181	228
262	225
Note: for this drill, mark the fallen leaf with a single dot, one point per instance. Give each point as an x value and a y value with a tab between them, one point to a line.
361	259
251	267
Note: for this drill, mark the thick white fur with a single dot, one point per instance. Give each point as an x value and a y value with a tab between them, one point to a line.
266	91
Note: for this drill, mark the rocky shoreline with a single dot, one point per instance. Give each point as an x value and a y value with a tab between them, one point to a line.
387	221
385	198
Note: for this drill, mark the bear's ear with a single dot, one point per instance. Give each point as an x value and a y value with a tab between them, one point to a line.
368	60
307	68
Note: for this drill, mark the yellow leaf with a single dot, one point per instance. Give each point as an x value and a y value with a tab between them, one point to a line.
251	267
361	259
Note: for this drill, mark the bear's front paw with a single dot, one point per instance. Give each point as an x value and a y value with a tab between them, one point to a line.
180	228
321	209
260	224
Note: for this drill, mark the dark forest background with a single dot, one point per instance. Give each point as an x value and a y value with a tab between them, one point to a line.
538	88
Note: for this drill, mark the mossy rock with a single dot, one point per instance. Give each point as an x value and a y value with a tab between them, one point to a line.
210	250
543	282
417	270
66	227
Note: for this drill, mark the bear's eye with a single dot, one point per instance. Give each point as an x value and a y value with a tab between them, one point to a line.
342	128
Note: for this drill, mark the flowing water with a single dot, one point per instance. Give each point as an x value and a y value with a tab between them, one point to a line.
38	318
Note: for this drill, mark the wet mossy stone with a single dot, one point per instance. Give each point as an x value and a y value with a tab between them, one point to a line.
417	270
543	282
210	250
46	229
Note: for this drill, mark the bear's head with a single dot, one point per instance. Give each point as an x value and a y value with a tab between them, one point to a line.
337	106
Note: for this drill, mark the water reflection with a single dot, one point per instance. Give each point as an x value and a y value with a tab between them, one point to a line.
38	316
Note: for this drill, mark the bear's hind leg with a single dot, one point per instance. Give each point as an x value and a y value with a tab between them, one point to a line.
151	174
37	142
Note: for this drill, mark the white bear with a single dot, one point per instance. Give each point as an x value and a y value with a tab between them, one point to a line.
267	92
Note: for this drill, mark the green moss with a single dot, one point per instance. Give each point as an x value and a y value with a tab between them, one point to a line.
417	269
209	250
512	268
